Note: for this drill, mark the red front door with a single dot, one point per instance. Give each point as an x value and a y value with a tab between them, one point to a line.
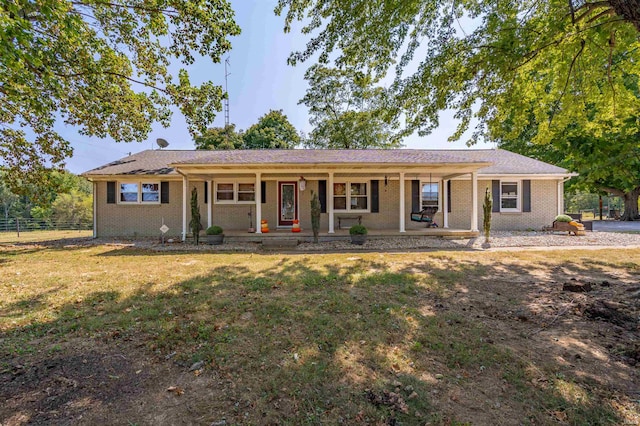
288	203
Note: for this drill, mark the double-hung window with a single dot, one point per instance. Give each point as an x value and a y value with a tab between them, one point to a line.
509	196
351	196
235	193
139	192
430	195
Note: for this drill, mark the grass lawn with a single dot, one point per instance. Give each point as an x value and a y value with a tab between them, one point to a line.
37	236
90	333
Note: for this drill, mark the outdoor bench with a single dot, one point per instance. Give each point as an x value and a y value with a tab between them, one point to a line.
349	219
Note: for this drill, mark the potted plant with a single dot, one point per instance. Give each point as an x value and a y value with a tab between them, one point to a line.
215	235
358	234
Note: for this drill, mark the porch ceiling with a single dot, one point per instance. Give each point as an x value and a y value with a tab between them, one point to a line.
435	171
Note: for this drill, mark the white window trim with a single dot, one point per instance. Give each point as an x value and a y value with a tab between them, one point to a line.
518	208
348	196
139	201
439	182
236	185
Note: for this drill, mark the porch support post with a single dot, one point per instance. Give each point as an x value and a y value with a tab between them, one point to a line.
474	201
330	202
445	203
185	190
258	203
401	210
209	204
95	210
560	196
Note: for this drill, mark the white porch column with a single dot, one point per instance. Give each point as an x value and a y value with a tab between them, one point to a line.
445	203
560	196
401	202
258	203
330	200
95	210
474	201
210	204
185	190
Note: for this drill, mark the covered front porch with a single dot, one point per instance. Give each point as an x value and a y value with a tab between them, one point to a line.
381	197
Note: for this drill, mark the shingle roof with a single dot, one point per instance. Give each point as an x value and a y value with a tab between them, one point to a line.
157	162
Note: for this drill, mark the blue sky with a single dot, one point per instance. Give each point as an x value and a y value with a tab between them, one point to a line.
260	80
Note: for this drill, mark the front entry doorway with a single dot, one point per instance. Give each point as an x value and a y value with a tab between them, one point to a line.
288	202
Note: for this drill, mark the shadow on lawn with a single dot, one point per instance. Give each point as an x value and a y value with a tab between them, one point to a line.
296	343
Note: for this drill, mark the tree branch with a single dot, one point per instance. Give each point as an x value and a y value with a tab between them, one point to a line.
566	83
168	12
590	7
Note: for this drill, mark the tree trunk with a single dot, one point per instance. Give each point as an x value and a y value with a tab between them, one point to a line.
629	10
631	204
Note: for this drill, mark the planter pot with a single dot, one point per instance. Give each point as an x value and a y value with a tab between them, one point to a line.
358	239
216	240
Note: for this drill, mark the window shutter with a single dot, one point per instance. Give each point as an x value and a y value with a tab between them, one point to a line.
322	195
206	192
263	192
526	195
448	196
495	194
415	196
164	192
375	198
111	192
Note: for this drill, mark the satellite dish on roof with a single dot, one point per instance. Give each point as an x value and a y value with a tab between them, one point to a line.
162	143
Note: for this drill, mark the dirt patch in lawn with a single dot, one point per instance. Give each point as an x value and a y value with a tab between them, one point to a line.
121	336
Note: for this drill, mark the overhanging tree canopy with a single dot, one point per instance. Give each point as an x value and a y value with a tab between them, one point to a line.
102	66
487	59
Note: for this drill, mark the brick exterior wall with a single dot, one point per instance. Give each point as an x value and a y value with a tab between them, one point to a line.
544	207
119	220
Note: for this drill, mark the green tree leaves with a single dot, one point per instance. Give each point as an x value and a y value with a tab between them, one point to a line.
104	68
220	138
273	130
347	110
488	60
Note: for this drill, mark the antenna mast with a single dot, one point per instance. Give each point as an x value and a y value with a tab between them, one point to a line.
226	89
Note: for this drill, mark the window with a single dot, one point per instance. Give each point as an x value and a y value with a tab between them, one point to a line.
246	192
150	192
509	200
350	196
235	192
139	192
128	192
430	195
224	192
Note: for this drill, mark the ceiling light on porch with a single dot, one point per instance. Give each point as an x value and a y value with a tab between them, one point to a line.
302	183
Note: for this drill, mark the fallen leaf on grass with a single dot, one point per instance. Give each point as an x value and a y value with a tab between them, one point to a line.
175	389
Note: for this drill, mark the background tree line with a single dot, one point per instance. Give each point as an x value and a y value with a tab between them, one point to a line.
70	208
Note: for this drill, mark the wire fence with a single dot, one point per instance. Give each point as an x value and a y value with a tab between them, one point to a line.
26	225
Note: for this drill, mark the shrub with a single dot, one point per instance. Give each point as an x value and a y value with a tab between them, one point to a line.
563	218
358	230
214	230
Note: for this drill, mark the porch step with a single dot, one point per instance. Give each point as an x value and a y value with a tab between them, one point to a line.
279	243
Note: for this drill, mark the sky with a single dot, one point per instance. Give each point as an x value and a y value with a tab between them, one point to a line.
260	80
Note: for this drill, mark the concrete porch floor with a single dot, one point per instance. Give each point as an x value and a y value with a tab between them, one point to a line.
343	234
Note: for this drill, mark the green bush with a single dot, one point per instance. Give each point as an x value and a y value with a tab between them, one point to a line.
358	230
214	230
563	218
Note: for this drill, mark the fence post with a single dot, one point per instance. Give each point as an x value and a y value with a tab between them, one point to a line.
18	226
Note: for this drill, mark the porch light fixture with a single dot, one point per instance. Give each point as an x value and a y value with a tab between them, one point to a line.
302	183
